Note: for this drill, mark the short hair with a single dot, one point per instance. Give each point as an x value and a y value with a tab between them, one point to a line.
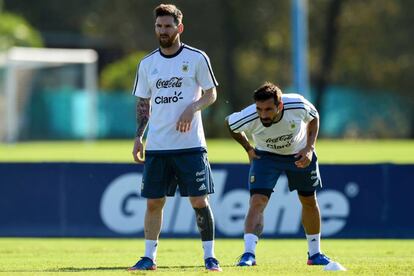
171	10
267	91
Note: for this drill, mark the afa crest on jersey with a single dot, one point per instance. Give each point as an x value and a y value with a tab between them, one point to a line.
293	124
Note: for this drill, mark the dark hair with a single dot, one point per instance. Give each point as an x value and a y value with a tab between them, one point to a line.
171	10
267	91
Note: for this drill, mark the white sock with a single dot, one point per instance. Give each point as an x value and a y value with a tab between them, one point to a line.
151	247
208	247
250	242
314	243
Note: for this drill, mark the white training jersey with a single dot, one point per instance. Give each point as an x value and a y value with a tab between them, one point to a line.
285	137
173	82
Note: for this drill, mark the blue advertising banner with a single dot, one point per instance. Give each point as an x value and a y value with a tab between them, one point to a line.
103	200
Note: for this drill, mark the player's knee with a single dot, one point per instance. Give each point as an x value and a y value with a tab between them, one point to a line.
155	204
308	201
199	201
258	201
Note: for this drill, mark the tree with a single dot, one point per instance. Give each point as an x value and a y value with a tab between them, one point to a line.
15	31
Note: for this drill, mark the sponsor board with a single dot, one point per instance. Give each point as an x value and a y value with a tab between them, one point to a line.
122	209
103	200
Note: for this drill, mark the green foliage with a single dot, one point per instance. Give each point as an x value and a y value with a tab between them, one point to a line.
120	75
16	31
185	257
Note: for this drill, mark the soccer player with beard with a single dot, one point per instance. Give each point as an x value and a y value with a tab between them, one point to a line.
284	128
173	84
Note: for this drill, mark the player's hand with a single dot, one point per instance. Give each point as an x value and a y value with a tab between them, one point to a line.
252	155
184	122
305	157
138	151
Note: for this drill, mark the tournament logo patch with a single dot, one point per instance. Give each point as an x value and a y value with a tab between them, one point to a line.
252	179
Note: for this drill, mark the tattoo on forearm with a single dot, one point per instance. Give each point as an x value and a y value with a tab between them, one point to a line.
143	108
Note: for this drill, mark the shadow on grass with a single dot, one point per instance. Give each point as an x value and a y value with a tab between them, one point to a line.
116	268
67	269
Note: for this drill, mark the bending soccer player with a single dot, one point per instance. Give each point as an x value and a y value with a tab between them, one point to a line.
284	128
169	83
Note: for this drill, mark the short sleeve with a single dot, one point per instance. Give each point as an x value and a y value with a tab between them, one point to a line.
141	87
204	73
311	111
243	120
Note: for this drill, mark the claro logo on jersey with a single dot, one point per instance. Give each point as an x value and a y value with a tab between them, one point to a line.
173	82
122	209
168	99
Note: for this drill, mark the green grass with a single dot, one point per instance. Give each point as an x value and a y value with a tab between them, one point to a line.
30	256
220	151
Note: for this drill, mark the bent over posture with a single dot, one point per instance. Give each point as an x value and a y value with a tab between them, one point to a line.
284	129
169	83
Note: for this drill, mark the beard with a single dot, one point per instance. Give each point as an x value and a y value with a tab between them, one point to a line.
266	122
167	43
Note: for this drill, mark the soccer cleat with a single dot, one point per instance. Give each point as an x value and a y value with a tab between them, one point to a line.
144	264
247	259
318	259
212	264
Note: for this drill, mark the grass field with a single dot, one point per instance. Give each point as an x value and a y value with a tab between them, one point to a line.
184	257
51	256
220	151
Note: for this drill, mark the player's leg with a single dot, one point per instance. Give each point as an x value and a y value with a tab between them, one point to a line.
254	221
306	181
253	225
262	178
153	187
311	220
195	180
152	225
205	224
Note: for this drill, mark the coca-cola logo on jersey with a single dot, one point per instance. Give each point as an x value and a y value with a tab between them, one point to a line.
173	82
283	138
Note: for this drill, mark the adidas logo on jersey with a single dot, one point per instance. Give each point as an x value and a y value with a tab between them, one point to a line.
202	187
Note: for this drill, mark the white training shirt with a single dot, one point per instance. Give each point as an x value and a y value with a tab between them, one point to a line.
173	82
285	137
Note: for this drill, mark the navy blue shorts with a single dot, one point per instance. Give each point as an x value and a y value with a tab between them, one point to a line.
264	172
189	171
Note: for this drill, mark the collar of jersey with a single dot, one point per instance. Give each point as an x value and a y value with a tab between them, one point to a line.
173	55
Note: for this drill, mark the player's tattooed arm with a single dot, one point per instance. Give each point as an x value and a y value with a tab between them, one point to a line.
142	116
